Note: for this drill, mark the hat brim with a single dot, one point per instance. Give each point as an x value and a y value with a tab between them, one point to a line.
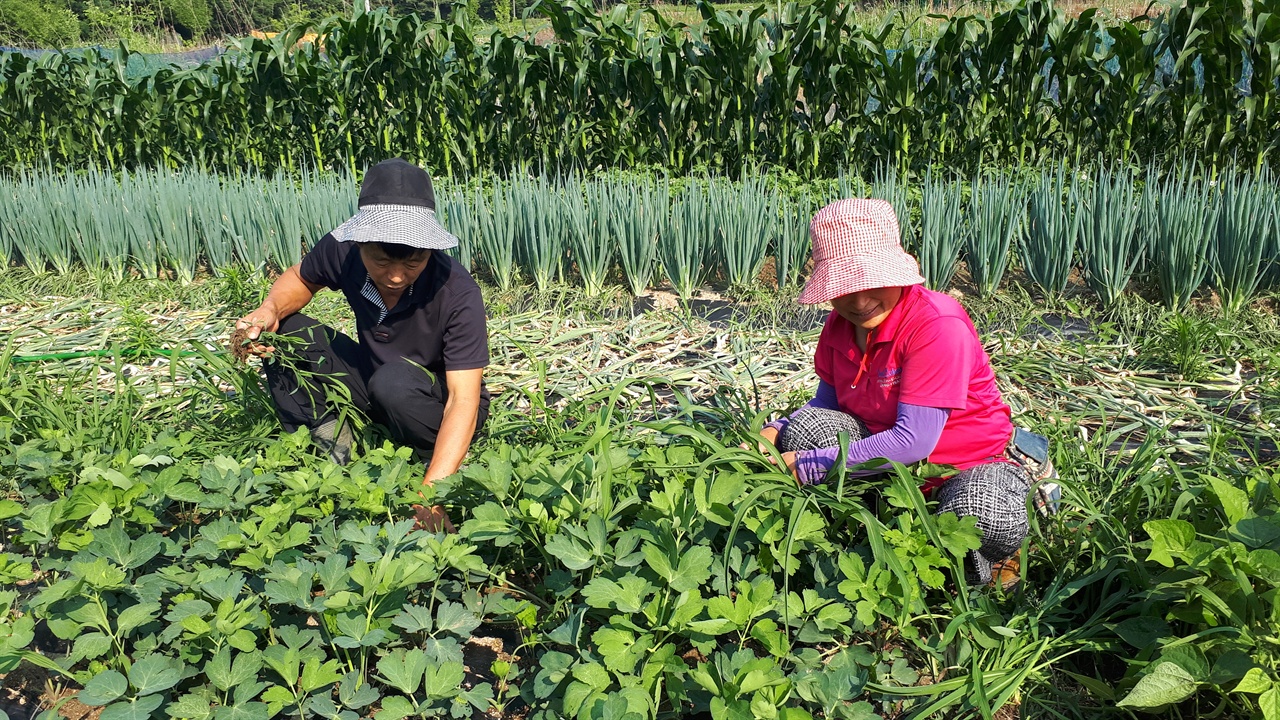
838	277
398	224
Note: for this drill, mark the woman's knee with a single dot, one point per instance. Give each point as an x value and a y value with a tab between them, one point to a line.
995	495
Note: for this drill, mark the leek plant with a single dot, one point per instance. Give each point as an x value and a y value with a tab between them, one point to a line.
1246	227
1053	229
174	222
638	216
136	206
1110	245
744	214
683	244
540	235
286	210
460	216
107	252
941	230
791	239
499	223
247	221
1183	222
997	215
207	204
890	186
587	209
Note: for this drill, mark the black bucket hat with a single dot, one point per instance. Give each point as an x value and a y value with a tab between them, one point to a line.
397	205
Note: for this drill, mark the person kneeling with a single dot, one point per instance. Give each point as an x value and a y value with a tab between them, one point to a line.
902	371
417	366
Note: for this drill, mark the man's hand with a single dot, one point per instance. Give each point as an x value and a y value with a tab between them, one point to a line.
264	319
432	519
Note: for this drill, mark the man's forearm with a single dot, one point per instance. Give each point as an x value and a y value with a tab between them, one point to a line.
289	293
454	439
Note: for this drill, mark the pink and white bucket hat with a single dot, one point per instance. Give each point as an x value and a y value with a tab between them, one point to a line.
856	247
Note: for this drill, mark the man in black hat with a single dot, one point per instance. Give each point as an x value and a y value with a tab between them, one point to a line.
420	321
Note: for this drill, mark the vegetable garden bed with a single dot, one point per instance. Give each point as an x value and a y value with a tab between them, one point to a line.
179	558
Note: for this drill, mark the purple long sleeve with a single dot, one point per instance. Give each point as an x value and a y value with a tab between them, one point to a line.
913	436
825	398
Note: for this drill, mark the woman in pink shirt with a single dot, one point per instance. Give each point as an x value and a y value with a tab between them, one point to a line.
902	371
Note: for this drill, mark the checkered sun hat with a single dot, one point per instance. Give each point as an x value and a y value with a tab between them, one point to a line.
856	247
397	205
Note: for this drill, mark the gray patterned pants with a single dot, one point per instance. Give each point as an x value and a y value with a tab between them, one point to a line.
995	493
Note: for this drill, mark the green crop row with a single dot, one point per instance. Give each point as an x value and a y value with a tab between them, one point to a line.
1180	231
801	87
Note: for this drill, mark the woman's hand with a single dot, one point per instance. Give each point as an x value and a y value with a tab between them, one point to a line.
770	434
432	519
264	319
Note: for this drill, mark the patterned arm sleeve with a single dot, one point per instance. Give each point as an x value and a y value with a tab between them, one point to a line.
913	436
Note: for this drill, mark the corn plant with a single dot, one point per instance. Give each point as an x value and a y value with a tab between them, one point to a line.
1245	229
791	239
1182	228
683	243
587	209
638	215
744	215
1110	245
1053	229
540	235
941	230
996	220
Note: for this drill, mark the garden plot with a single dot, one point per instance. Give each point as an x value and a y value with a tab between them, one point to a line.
177	555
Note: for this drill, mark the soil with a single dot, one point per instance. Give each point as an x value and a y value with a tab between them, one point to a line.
239	345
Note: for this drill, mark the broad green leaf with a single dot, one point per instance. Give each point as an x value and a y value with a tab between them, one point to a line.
1255	681
226	675
404	670
154	673
1235	503
395	707
136	616
444	680
1231	666
189	707
569	551
91	646
1269	704
103	688
627	595
1169	538
316	674
414	618
1166	683
139	709
1143	632
1189	658
1256	532
694	569
594	675
456	619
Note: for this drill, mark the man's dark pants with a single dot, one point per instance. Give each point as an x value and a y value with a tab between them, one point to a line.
402	396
